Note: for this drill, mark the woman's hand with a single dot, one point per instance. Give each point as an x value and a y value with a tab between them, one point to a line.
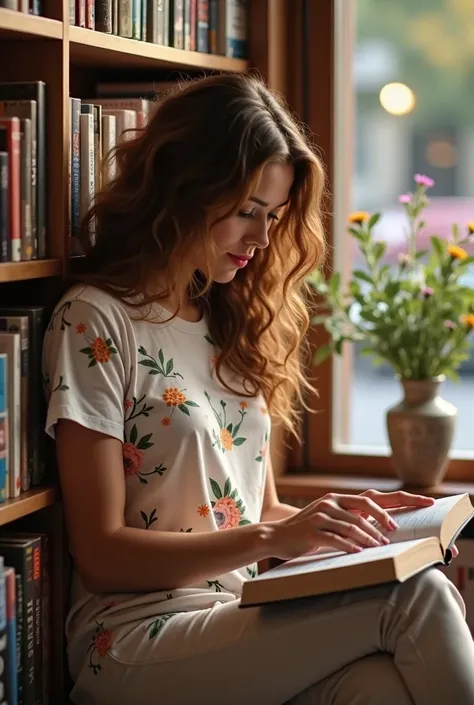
340	522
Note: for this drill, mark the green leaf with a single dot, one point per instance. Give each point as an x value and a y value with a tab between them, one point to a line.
92	363
87	351
334	282
215	489
142	350
227	488
108	342
144	517
113	350
191	403
239	441
148	363
373	220
184	409
322	354
379	249
209	339
259	459
229	428
213	504
244	522
143	443
437	246
233	494
161	357
363	276
169	367
133	434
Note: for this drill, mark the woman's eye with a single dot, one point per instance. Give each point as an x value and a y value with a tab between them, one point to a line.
246	214
273	216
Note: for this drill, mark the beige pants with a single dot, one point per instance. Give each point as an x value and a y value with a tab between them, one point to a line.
390	645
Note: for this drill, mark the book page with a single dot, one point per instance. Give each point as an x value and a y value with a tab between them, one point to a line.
420	523
312	564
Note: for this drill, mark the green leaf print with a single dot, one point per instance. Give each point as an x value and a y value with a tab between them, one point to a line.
158	366
134	434
149	520
218	587
60	387
251	571
143	443
155	627
184	409
228	509
176	398
133	455
263	451
99	647
227	438
209	340
135	410
62	310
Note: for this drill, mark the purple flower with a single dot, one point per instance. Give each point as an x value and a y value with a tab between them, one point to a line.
450	325
405	198
423	180
427	291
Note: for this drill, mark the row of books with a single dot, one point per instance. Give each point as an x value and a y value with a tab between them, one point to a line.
22	171
30	7
210	26
22	408
97	125
25	619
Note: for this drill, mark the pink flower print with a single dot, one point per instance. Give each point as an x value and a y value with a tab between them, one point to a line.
226	513
423	180
132	458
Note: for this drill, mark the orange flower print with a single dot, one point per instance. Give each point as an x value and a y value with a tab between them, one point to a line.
176	399
166	421
226	513
228	509
203	510
128	403
81	328
99	648
264	410
99	350
173	396
132	458
228	437
262	454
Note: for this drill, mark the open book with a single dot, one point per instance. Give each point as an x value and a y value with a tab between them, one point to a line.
424	538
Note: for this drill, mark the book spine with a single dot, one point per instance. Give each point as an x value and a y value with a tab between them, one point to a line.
20	630
46	619
75	175
4	440
87	163
125	28
236	29
25	189
213	23
38	617
97	145
144	20
187	25
10	345
36	437
4	209
3	638
178	24
81	13
9	4
152	21
109	131
10	142
115	16
202	29
136	19
103	16
90	14
39	91
11	671
72	12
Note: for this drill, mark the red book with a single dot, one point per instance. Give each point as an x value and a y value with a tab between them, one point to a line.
193	27
10	142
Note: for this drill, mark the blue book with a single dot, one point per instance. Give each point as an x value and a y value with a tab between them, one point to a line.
3	427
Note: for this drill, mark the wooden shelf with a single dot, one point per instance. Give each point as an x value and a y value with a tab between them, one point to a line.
98	49
19	25
16	271
27	503
311	487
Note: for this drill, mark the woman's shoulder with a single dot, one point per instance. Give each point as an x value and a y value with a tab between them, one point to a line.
93	298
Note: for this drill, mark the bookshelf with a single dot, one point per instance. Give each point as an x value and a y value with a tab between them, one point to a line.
70	60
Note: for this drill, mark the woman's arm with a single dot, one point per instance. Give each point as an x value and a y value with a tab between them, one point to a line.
273	509
112	557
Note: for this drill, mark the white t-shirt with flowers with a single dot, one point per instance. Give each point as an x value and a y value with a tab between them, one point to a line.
193	452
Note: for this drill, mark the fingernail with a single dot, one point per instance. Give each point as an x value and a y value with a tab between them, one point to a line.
374	542
393	524
385	540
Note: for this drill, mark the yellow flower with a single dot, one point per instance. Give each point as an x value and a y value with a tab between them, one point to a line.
457	252
173	396
470	227
358	217
226	439
468	320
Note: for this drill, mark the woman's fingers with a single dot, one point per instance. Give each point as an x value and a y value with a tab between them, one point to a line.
347	529
365	504
347	517
400	498
338	543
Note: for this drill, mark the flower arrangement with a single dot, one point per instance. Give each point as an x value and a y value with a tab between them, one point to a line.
415	315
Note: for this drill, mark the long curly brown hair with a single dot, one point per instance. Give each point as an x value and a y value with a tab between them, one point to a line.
205	147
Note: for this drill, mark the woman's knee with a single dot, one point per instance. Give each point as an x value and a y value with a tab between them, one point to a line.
373	680
432	589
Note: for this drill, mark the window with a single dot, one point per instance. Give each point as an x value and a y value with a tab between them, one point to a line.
398	95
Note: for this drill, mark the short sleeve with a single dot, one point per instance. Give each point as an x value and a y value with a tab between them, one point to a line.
85	367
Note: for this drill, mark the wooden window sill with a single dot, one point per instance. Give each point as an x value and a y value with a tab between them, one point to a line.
311	487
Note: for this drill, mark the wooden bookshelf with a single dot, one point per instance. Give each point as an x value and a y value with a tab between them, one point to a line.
28	503
70	60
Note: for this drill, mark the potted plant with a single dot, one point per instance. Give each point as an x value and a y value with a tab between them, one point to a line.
416	316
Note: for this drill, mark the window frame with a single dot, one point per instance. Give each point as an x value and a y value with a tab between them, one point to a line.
312	96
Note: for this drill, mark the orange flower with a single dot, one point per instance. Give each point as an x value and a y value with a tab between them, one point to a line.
226	439
203	510
81	328
457	252
358	217
132	458
263	452
468	320
165	421
173	396
103	642
128	403
226	513
243	405
264	410
100	350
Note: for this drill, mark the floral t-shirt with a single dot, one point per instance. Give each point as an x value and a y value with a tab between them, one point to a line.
193	453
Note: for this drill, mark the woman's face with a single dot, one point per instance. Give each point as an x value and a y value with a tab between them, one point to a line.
239	236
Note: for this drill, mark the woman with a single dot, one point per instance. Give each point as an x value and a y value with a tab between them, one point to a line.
164	365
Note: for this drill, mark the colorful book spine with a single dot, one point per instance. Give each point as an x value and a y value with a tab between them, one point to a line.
10	142
202	29
11	670
4	209
3	427
3	637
